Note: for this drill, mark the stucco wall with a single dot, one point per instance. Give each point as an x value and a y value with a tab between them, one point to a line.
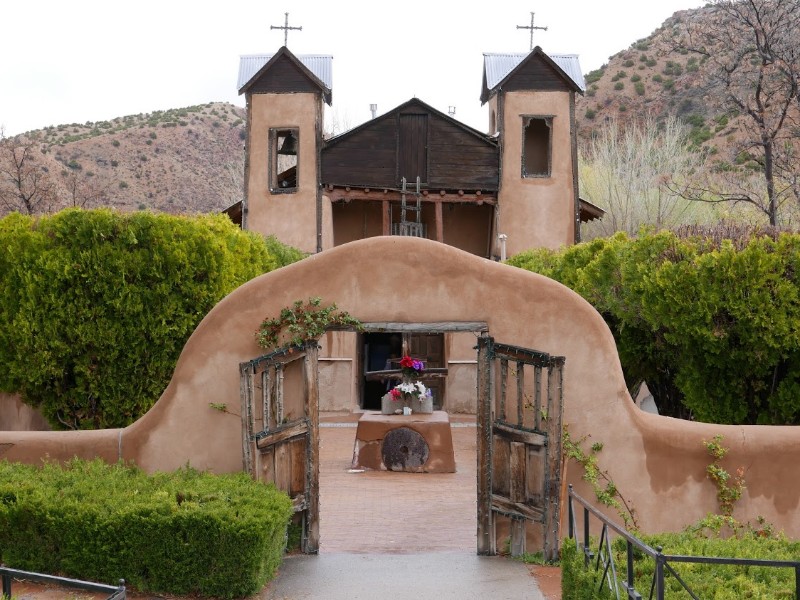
291	217
536	211
657	462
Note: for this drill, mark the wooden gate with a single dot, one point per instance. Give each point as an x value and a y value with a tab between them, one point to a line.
519	448
280	429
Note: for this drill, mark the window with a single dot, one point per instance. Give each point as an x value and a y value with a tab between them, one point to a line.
284	145
536	146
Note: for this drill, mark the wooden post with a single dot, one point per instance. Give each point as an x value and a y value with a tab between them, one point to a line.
311	374
439	222
487	543
387	220
245	395
555	401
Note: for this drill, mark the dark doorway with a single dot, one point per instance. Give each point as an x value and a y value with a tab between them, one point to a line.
379	349
383	350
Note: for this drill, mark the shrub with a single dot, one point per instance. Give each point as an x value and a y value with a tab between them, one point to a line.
705	580
182	533
709	318
619	86
95	306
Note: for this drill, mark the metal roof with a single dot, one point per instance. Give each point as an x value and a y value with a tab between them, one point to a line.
319	65
497	66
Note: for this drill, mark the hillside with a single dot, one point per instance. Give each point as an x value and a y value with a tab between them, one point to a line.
178	161
191	159
649	77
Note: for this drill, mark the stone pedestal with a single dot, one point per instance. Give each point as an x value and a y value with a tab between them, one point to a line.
418	443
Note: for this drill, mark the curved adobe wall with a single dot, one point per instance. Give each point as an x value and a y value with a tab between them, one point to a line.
657	462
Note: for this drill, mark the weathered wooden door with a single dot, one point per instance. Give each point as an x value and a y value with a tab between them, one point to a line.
519	448
280	429
429	348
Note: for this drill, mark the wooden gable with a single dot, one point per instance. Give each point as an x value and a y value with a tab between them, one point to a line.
537	74
284	74
412	140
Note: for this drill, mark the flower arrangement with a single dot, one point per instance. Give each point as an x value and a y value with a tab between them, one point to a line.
411	367
407	389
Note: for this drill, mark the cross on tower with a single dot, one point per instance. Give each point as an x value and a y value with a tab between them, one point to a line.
286	28
531	27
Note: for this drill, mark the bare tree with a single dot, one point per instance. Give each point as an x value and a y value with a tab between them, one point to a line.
25	185
751	51
83	190
636	174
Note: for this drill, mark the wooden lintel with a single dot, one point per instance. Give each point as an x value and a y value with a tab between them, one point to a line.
437	327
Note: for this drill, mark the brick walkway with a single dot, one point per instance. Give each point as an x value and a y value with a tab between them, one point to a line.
391	512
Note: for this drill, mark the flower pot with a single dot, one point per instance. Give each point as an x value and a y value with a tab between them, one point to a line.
423	405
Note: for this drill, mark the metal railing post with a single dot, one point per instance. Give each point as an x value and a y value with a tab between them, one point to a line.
570	513
6	584
629	578
659	575
586	536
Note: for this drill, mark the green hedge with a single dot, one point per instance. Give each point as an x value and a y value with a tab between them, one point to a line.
717	582
182	533
95	306
712	325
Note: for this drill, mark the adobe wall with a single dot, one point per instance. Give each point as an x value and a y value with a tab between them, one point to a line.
291	217
657	462
536	211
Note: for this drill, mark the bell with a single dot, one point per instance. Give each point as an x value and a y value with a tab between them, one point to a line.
289	146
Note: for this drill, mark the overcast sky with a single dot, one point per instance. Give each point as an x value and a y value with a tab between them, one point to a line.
89	60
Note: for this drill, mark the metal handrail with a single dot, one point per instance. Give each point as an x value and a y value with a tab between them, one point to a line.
7	574
662	561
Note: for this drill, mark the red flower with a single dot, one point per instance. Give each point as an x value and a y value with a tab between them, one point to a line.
395	394
407	362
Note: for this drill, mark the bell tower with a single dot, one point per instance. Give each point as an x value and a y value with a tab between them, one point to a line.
284	98
531	101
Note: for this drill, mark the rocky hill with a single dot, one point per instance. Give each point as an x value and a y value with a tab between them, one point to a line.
651	78
182	160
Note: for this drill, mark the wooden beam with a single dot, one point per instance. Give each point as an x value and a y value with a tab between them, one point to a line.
434	327
282	434
515	434
505	506
369	194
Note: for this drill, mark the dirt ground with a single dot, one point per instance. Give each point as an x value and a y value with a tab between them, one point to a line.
445	519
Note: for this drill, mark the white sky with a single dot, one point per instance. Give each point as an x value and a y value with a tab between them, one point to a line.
89	60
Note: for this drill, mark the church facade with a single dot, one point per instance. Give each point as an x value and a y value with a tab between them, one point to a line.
413	171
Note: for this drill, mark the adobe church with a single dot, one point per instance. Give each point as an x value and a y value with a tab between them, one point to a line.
412	171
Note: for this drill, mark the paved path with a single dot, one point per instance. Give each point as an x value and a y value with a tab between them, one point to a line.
398	535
